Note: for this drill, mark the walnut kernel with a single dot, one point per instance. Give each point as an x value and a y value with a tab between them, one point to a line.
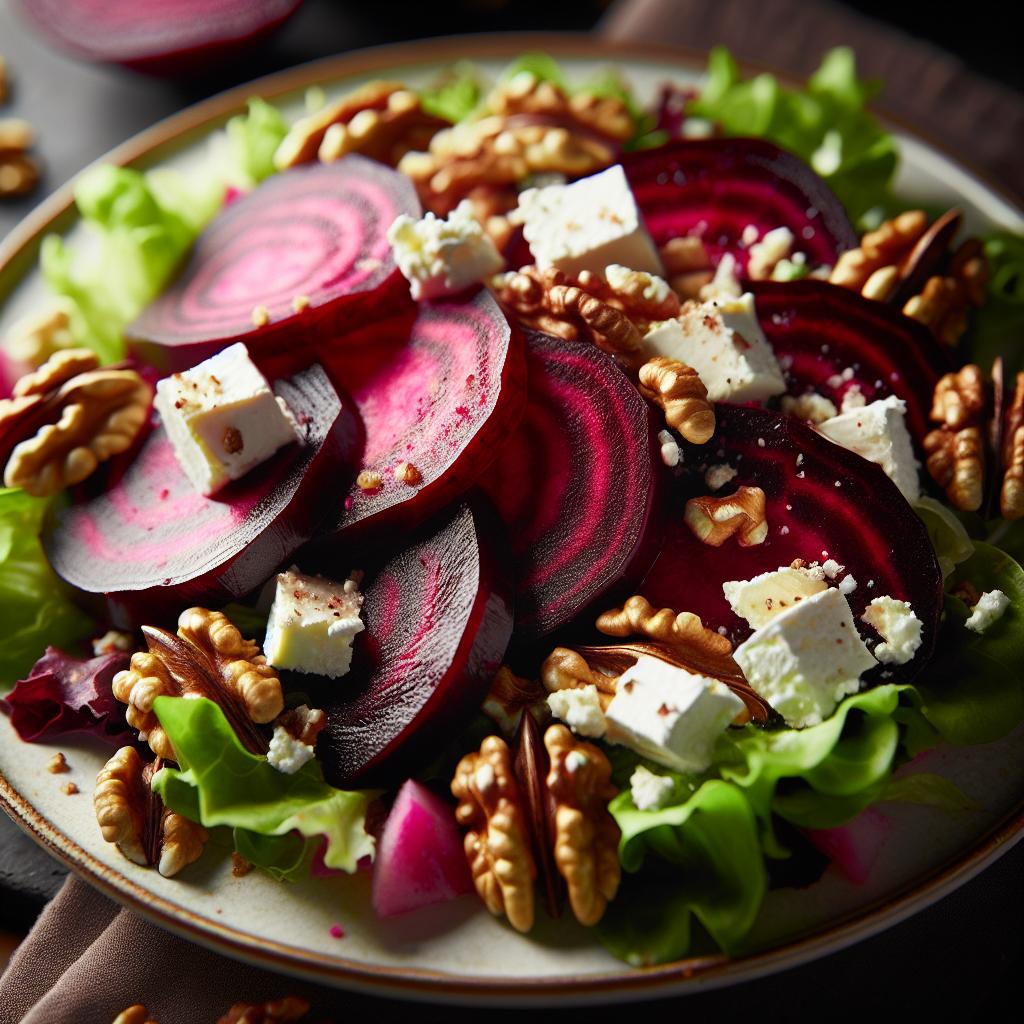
715	520
679	391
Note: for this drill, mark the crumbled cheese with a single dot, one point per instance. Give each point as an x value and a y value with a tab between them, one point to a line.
312	624
806	659
222	419
650	792
898	626
777	244
587	225
580	709
990	608
853	398
847	585
287	753
811	406
669	448
761	599
719	475
442	257
726	283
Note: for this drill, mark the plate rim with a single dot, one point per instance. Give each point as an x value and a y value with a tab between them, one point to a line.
18	252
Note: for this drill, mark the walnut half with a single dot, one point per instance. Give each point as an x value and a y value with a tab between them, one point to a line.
132	817
715	520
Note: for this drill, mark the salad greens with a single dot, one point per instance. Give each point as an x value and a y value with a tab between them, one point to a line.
36	607
218	782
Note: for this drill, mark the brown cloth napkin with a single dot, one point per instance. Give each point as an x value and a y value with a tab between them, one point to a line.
86	959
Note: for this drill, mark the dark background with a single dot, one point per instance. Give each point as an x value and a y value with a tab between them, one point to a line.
962	959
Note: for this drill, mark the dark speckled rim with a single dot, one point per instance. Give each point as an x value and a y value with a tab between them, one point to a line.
18	253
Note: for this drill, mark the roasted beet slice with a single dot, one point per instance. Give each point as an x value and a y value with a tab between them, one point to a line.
575	484
157	545
309	246
823	501
440	396
715	188
830	339
159	36
438	618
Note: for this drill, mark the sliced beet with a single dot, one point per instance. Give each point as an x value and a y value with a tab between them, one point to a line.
575	484
715	188
438	619
312	239
159	36
158	545
823	501
830	339
441	395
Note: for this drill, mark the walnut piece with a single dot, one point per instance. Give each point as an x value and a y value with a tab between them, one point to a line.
1011	494
715	520
678	389
33	339
638	617
566	669
208	658
885	247
586	835
66	418
510	696
955	451
942	306
19	172
687	266
497	842
274	1011
132	817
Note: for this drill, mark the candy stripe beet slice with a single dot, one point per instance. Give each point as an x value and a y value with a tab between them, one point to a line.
438	619
157	544
313	238
715	188
575	484
441	396
823	501
160	36
830	339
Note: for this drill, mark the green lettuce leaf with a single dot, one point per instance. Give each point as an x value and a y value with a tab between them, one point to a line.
826	123
220	783
253	138
710	843
998	328
35	606
973	690
931	790
948	535
456	95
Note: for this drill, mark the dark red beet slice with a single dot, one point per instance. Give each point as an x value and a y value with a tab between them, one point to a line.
714	188
442	396
823	501
316	232
576	484
438	619
158	545
830	338
159	36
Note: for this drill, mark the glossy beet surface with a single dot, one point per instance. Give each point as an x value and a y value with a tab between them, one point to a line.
160	36
715	188
823	501
312	239
157	543
441	395
575	484
830	339
438	619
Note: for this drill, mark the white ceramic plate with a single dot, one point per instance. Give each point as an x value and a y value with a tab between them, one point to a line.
458	952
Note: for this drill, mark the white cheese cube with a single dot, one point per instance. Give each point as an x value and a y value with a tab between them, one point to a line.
670	715
587	225
580	708
804	661
879	433
724	343
990	608
898	626
441	257
650	792
762	598
222	419
312	624
287	753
